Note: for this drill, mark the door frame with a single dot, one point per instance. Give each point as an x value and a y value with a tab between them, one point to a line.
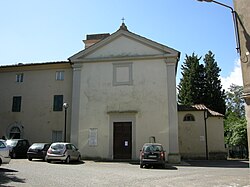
127	126
122	117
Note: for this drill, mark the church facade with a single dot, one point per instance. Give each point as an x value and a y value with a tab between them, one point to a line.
124	95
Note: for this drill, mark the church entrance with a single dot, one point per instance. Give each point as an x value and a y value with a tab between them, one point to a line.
122	141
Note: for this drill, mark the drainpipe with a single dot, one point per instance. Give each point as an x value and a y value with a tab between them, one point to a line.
205	120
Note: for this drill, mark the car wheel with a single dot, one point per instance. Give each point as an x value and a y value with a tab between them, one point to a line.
67	160
147	166
79	158
29	158
48	160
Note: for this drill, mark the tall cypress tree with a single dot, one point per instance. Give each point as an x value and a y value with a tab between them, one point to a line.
200	84
189	83
215	95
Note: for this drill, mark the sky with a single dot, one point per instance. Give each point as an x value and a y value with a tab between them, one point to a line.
47	31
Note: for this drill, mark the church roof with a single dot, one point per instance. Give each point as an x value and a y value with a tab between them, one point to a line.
123	30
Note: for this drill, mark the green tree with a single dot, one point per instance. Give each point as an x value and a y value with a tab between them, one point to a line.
201	84
190	83
214	94
235	125
234	101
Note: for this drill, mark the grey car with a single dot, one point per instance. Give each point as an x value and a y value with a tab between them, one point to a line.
61	151
152	154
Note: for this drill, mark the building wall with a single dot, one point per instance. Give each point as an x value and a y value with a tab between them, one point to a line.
144	103
215	134
192	135
101	103
242	7
37	118
192	140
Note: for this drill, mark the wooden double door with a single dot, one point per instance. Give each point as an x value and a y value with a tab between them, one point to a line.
122	140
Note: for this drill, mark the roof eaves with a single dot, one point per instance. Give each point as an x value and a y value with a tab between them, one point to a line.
33	64
199	107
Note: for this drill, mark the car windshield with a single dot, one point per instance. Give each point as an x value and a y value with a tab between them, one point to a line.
57	146
37	146
152	148
11	143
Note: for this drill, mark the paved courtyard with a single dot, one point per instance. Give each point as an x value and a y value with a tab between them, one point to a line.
21	172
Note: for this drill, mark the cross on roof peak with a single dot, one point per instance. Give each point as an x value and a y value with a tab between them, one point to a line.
123	26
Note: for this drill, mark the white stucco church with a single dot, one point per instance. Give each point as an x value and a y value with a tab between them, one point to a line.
124	94
121	92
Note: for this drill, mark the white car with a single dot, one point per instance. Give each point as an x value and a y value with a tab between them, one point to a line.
4	153
61	151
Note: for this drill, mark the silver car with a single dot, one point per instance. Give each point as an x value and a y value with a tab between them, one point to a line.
61	151
4	153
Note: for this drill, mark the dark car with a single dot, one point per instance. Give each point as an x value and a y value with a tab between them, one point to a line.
152	154
18	147
37	151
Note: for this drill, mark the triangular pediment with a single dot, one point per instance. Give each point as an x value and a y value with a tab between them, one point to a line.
122	44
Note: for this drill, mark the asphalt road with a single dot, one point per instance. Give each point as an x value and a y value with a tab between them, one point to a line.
21	172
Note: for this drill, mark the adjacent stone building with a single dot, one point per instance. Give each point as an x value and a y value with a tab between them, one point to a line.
201	133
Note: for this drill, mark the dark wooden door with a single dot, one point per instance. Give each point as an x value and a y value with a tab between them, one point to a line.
122	145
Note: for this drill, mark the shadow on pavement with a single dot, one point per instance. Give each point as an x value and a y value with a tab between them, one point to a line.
7	175
167	166
71	162
217	163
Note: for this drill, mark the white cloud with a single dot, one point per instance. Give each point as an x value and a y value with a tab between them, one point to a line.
235	77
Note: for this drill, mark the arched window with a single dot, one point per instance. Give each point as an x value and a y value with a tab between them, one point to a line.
188	117
15	133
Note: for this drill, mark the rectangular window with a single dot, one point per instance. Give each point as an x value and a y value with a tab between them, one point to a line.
58	103
122	74
93	137
60	75
16	104
56	136
19	77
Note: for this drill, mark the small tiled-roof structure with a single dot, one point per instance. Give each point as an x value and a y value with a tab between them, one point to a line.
199	107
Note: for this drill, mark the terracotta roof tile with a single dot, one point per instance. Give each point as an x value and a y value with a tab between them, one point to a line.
199	107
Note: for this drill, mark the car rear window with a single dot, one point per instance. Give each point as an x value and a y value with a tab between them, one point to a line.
37	146
152	148
57	146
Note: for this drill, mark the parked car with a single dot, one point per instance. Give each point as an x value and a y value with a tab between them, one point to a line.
19	147
60	151
4	153
152	154
37	151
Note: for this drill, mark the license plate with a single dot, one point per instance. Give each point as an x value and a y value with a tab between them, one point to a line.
152	156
